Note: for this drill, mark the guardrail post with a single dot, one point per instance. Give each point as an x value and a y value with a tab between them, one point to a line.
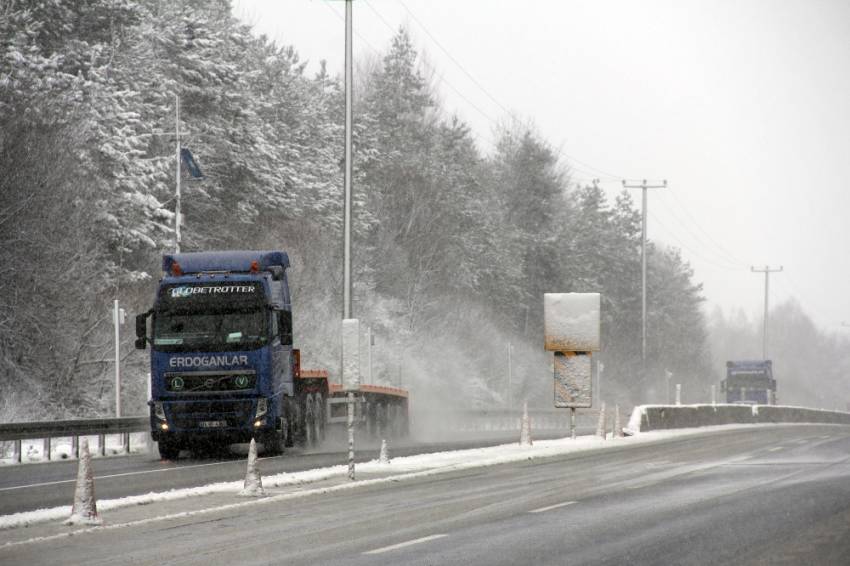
17	451
101	444
126	442
75	446
47	448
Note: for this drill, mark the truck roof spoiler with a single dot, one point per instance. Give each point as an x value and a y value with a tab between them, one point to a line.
228	261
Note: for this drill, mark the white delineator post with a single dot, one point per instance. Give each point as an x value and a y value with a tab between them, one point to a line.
713	395
384	457
618	427
525	427
84	511
678	393
253	486
600	424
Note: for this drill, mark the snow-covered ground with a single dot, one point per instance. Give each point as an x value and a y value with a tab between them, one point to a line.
398	469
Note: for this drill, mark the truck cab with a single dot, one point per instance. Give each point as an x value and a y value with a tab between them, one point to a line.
222	361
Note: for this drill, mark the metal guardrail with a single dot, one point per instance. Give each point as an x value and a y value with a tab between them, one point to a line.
473	420
74	429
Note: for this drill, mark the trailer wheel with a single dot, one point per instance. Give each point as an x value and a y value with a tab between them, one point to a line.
271	442
380	419
319	417
168	449
309	421
289	420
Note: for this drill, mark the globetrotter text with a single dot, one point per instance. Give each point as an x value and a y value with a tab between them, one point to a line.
207	361
186	291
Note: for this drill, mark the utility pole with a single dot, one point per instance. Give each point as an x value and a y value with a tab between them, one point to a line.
177	211
767	270
644	186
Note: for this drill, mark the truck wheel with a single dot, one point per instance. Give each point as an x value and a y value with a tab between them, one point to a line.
168	449
289	433
309	421
271	443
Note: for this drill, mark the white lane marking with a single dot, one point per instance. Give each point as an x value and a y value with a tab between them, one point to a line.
60	482
774	449
643	485
826	437
404	544
550	507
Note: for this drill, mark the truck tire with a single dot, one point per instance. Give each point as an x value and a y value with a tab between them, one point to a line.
271	441
309	421
289	435
168	449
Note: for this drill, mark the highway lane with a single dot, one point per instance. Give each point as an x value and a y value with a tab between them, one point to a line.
767	495
27	487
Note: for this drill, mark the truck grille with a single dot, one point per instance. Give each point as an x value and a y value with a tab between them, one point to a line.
231	414
207	382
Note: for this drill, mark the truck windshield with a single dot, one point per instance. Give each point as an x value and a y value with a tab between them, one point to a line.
210	318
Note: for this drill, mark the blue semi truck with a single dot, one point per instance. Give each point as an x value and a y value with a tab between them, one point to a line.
749	382
223	366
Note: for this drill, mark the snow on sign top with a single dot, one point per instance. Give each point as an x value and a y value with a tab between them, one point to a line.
571	321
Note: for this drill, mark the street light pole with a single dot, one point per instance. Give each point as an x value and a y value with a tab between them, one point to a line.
177	211
346	270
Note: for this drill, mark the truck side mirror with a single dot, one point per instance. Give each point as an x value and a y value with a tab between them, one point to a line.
142	330
285	327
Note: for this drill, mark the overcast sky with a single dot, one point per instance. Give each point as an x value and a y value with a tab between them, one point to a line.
742	106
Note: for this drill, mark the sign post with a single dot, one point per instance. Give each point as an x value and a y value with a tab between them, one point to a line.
572	332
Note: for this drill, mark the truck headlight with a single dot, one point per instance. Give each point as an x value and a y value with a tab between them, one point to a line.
262	407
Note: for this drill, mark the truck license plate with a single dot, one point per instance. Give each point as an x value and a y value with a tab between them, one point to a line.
212	424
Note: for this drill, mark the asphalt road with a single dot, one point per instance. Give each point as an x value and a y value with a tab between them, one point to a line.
27	487
774	495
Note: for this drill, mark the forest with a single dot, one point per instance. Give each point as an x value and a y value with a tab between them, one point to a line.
453	246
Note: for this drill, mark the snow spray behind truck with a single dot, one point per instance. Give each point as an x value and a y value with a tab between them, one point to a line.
750	382
223	366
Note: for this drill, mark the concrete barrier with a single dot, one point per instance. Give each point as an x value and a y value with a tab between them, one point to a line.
663	417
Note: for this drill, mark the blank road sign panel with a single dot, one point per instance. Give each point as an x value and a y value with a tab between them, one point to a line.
571	321
573	384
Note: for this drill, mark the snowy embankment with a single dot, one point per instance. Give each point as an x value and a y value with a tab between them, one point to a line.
398	469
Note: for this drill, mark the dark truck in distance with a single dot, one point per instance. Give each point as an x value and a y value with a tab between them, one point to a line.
223	366
749	382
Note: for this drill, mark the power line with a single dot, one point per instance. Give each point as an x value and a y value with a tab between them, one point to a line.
596	172
695	253
700	242
693	220
442	78
450	56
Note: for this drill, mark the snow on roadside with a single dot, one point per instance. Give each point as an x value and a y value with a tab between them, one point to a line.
398	469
